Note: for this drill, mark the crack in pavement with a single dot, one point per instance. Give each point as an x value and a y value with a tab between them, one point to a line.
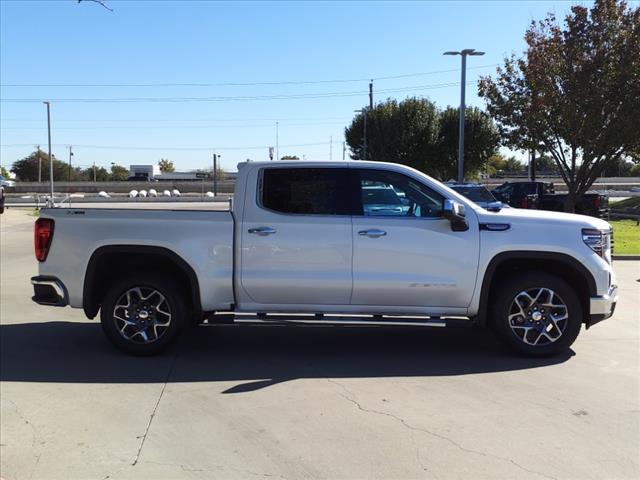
215	468
155	409
35	434
433	434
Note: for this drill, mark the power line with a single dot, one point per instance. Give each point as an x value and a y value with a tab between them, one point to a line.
238	84
262	119
154	127
224	99
195	149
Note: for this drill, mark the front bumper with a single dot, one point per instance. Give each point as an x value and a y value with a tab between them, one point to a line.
49	291
603	306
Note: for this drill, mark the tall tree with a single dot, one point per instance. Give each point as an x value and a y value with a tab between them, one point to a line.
26	170
415	133
166	166
575	94
118	173
404	132
481	141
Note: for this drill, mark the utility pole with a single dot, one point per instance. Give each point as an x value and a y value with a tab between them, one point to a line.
277	147
364	140
215	175
532	165
48	104
330	148
344	149
70	155
463	75
371	94
39	165
94	171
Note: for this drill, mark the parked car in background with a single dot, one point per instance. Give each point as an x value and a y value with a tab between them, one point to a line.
5	182
1	198
383	200
479	194
542	196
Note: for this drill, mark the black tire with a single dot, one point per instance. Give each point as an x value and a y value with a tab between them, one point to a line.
148	335
548	335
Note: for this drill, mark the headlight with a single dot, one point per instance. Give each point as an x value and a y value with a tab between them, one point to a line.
599	241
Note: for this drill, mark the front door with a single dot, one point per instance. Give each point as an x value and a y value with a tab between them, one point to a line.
296	238
404	251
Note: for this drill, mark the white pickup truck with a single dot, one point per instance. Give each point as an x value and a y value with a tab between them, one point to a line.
330	242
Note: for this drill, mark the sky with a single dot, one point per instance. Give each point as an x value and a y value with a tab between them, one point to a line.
183	80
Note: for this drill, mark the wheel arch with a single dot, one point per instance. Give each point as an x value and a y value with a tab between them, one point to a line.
109	263
564	266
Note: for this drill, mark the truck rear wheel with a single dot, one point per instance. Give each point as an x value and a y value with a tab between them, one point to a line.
142	315
536	314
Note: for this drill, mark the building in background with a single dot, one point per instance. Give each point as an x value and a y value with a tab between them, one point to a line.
149	171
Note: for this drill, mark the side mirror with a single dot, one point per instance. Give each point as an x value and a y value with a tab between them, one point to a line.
455	213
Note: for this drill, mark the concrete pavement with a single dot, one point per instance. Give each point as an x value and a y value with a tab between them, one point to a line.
308	402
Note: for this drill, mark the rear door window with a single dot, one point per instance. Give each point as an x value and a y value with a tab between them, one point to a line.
306	191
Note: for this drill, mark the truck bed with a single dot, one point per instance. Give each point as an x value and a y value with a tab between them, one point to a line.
203	239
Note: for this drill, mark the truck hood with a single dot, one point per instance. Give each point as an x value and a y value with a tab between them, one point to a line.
517	216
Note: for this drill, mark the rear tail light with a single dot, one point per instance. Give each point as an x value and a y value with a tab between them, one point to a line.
525	203
42	236
599	241
597	202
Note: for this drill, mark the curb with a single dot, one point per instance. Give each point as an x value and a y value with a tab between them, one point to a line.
625	257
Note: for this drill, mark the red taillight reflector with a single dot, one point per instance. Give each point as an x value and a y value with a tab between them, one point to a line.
42	236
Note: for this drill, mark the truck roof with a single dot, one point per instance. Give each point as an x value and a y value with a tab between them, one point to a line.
318	163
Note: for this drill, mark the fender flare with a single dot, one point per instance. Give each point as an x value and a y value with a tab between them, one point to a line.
501	258
89	303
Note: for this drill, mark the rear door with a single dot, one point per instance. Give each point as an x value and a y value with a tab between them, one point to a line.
411	258
296	237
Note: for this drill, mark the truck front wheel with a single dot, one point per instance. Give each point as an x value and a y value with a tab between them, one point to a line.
142	315
536	314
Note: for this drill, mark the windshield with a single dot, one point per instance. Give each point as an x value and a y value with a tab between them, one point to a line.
475	193
380	196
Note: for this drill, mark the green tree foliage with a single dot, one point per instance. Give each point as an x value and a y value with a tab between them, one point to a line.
290	157
547	165
4	172
415	133
481	140
26	170
403	132
620	167
219	176
575	94
101	174
166	166
118	173
498	164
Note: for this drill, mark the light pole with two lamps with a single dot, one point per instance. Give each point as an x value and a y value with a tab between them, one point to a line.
463	53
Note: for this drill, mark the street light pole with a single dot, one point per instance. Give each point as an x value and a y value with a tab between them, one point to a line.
70	155
463	78
48	104
39	165
277	146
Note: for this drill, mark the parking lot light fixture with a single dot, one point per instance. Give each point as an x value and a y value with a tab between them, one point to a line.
463	53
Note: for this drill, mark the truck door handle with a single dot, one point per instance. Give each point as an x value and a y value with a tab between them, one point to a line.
373	233
262	231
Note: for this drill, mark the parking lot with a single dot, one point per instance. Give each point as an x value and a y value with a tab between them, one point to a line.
308	402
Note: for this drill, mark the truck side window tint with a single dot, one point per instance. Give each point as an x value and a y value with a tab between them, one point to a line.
308	191
391	194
